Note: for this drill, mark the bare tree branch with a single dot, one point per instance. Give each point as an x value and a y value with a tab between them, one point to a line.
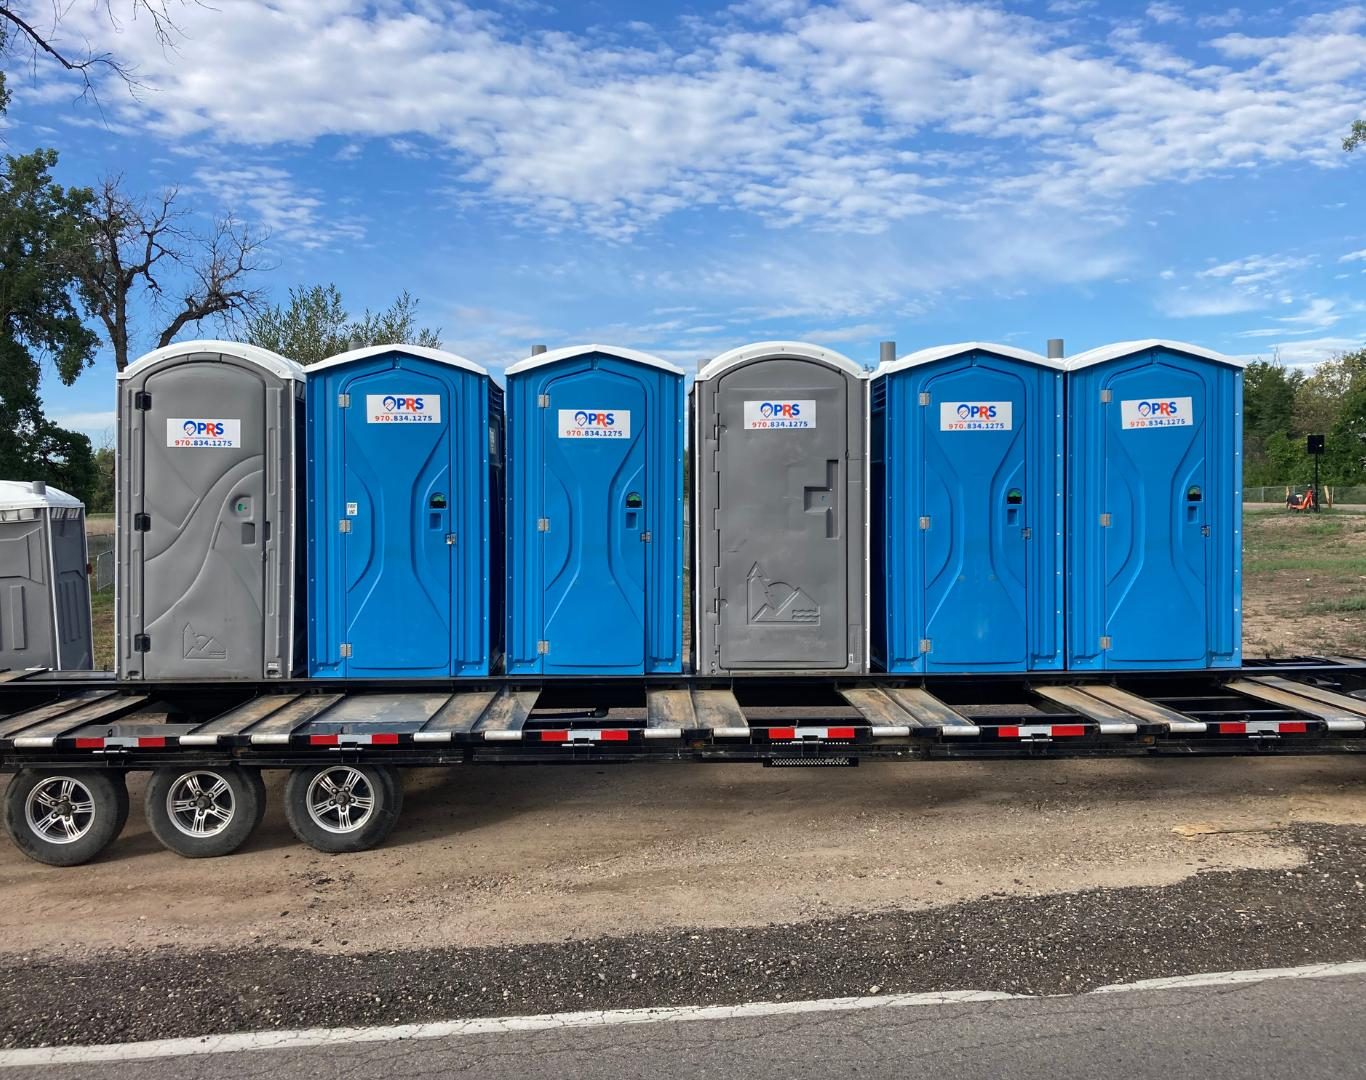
43	41
144	244
232	255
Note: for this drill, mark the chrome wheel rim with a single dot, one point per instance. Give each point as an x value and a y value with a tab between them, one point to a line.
60	810
340	799
200	804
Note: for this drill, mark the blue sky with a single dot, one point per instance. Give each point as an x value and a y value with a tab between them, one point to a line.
685	178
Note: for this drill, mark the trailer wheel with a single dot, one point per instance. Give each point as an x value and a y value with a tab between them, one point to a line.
202	812
254	777
65	818
342	808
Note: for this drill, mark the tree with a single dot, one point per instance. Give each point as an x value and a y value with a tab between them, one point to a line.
1268	410
139	245
315	325
41	237
18	28
1320	399
1357	137
101	500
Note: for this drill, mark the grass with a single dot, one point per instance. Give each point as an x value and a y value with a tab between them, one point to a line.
102	622
1304	583
1345	604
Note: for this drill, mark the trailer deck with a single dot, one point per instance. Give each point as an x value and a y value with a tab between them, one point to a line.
70	737
1307	705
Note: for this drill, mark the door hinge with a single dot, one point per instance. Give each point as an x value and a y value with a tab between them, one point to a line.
925	644
142	643
343	401
924	397
1204	530
450	539
1104	521
1107	396
542	524
344	525
142	522
142	400
345	649
1027	533
925	522
543	401
645	537
1106	642
542	647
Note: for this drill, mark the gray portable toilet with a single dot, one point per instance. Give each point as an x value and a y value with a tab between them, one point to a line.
780	567
44	591
209	465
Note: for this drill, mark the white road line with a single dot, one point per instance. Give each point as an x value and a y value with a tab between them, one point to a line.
505	1025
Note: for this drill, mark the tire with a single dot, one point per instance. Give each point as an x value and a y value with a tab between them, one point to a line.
202	812
334	827
255	777
65	817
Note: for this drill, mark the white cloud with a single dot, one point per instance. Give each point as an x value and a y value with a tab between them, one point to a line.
1255	269
1305	352
1354	256
1220	21
95	424
1163	12
1188	304
849	116
1319	315
270	196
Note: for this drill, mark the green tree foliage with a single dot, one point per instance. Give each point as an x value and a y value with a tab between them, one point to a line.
315	325
1281	407
41	235
1357	136
1268	411
101	500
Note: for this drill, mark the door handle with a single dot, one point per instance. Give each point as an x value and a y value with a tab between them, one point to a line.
248	533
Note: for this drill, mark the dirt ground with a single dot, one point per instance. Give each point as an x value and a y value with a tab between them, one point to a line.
489	856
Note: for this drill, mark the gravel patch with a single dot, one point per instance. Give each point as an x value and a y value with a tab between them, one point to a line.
1062	943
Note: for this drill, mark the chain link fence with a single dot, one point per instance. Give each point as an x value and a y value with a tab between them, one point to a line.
101	550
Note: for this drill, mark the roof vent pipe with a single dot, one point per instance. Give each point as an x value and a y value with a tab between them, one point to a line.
536	350
40	487
886	352
1055	348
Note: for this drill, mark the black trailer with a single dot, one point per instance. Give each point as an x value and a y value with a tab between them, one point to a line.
70	738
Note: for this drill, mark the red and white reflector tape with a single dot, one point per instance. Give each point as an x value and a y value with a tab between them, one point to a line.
109	742
1045	731
824	734
377	738
1262	727
582	735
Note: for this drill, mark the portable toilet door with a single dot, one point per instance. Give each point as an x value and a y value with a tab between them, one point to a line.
207	513
967	466
1154	545
595	513
403	444
780	575
44	590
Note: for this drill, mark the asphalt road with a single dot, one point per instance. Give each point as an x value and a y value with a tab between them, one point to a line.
1279	1028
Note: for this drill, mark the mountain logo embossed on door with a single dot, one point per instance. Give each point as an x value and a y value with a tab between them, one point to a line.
779	602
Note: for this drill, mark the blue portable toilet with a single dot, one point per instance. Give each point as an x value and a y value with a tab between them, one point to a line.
1154	531
405	493
595	513
966	468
